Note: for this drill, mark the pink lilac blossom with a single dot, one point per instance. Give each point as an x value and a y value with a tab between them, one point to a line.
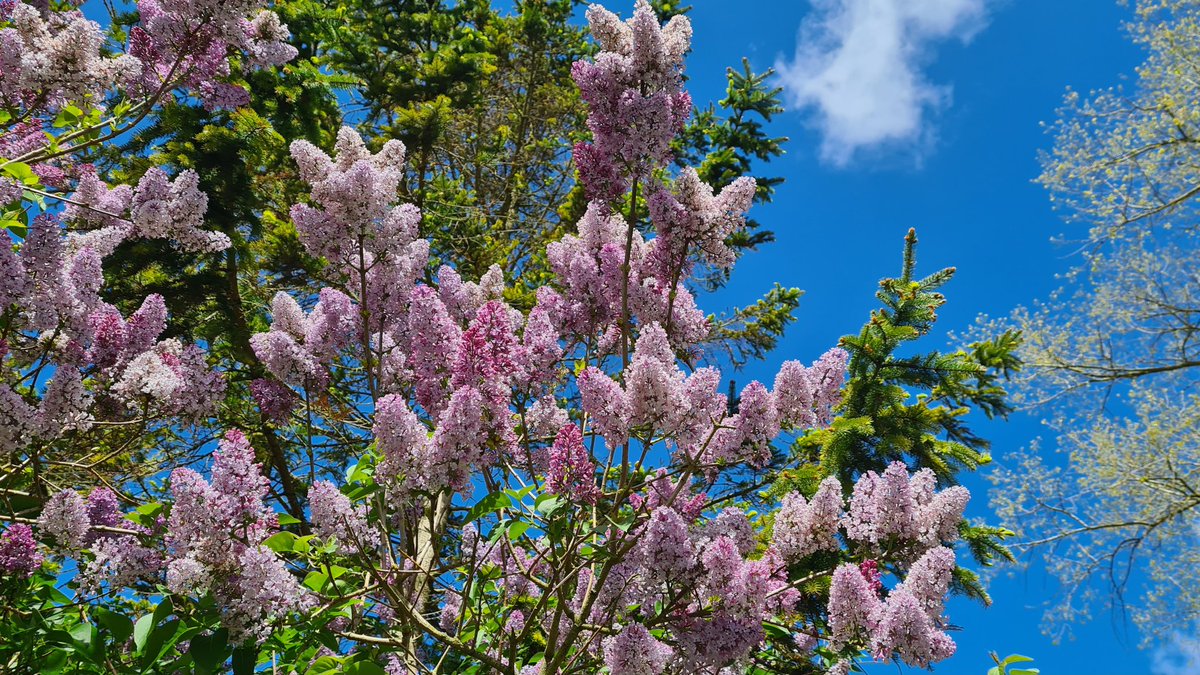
275	399
938	518
298	347
162	208
19	555
104	509
854	607
515	623
13	280
705	406
806	396
16	419
404	443
803	527
65	519
266	41
544	418
58	61
264	589
464	298
653	383
634	651
459	440
693	217
215	532
929	580
733	523
896	506
96	205
904	629
65	404
870	572
882	506
571	472
336	519
10	191
118	562
747	435
606	403
353	193
540	348
634	94
665	548
708	645
433	350
587	267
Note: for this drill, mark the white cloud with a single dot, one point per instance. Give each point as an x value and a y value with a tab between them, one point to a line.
1180	655
857	69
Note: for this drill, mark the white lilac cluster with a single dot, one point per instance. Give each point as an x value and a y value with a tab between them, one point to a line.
215	535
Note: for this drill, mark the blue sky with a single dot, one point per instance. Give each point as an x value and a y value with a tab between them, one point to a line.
959	125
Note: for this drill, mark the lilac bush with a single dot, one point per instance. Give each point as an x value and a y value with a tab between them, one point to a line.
537	492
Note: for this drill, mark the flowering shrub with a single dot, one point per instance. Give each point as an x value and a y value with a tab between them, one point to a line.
547	491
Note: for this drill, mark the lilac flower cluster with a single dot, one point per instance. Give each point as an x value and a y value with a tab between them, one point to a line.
65	520
634	651
571	471
908	623
635	97
896	507
62	323
335	518
19	555
53	60
804	527
299	348
215	534
691	412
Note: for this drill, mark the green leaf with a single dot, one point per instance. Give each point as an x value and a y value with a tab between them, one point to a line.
84	634
244	660
161	639
118	625
210	651
1025	671
1014	658
364	668
287	519
489	504
281	542
547	504
141	631
315	581
516	529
